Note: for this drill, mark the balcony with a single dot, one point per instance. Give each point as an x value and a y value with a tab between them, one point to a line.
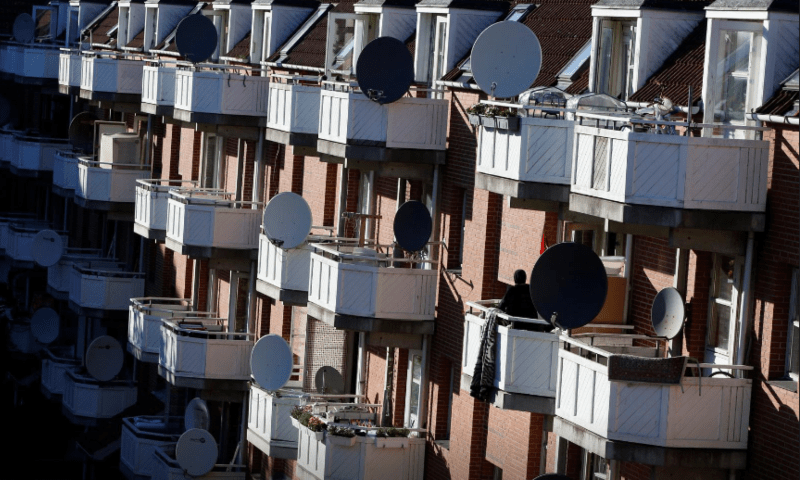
103	290
269	425
38	63
354	288
141	437
57	362
86	400
668	412
145	316
204	223
108	186
293	110
69	72
150	213
322	456
33	156
158	89
630	175
65	173
8	218
13	56
21	339
113	77
219	96
20	240
8	146
166	467
410	130
200	353
60	274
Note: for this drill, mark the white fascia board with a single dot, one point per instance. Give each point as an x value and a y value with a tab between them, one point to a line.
737	14
442	10
607	12
368	9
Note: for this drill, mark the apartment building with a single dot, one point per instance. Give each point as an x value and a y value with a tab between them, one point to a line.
199	198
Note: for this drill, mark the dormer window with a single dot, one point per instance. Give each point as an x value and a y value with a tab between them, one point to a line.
220	19
341	39
151	28
367	30
122	26
736	67
616	59
260	40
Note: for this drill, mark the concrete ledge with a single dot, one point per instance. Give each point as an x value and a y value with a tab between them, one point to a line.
158	110
289	138
223	388
110	96
22	172
125	209
219	118
209	252
515	401
379	153
275	448
289	297
548	193
48	82
370	324
56	294
648	454
67	90
138	354
63	192
113	315
142	231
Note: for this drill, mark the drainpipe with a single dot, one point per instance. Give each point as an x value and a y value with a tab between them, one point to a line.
196	286
679	282
435	215
258	168
148	141
360	380
370	222
423	383
250	325
744	309
774	118
239	170
628	268
342	200
243	439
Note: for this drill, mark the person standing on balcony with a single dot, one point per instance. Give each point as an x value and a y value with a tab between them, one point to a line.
517	300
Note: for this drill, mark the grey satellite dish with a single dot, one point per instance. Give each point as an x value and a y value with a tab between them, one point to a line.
24	28
81	131
104	358
569	282
668	313
45	325
412	226
196	452
287	220
506	59
329	380
47	248
196	415
196	38
385	70
271	362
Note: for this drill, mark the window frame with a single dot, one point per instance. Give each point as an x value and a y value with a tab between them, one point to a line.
792	363
332	58
407	415
753	76
620	77
733	304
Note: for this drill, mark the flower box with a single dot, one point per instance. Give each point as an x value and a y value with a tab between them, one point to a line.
391	442
341	441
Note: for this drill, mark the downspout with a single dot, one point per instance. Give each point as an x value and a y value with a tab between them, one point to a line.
744	308
239	170
435	215
342	201
679	282
258	168
148	141
628	259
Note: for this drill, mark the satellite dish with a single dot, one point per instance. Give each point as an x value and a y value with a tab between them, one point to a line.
329	380
569	280
196	415
271	362
24	28
45	324
385	70
668	313
287	220
47	248
196	452
104	358
506	59
196	38
412	226
81	131
552	476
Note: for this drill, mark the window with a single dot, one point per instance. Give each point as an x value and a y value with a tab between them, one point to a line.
413	389
341	39
616	59
151	29
595	467
367	30
122	24
220	19
73	28
439	58
210	151
259	42
793	339
737	64
723	306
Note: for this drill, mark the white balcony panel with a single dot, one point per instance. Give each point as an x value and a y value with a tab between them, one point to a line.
20	239
158	85
367	289
716	416
269	417
209	354
109	182
65	170
69	69
93	286
151	201
86	397
415	123
111	75
167	468
293	108
9	147
211	222
14	58
541	151
671	170
326	457
141	437
39	62
36	154
285	269
6	220
145	316
59	276
55	365
526	360
221	93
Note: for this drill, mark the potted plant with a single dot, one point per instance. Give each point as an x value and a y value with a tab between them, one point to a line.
488	117
391	437
342	436
507	119
300	416
474	113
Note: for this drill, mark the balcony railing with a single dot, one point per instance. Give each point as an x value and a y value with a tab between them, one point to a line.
144	323
202	349
113	73
209	219
108	182
151	206
86	397
59	275
158	85
35	154
269	425
213	90
13	58
630	165
20	240
8	146
69	69
347	280
349	117
167	468
65	172
57	362
704	413
39	61
104	288
8	218
141	437
294	105
21	337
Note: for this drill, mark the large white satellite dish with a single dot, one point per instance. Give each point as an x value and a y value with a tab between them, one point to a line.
506	59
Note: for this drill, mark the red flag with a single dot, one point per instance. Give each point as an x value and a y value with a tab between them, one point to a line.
543	247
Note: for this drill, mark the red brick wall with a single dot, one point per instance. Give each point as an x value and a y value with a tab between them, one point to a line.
325	346
653	269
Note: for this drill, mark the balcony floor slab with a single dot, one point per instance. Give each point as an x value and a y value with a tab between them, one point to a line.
118	208
219	118
289	138
275	448
113	97
211	252
68	90
149	233
113	315
22	172
546	195
138	354
370	324
667	216
226	388
63	192
648	454
158	110
515	401
289	297
49	82
379	153
56	294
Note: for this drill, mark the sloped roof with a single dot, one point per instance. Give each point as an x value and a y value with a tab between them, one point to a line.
242	49
785	99
100	30
768	5
656	4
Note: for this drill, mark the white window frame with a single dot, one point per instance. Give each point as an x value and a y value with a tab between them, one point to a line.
794	323
151	27
439	51
408	417
365	20
220	20
260	38
734	305
122	24
330	55
619	78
